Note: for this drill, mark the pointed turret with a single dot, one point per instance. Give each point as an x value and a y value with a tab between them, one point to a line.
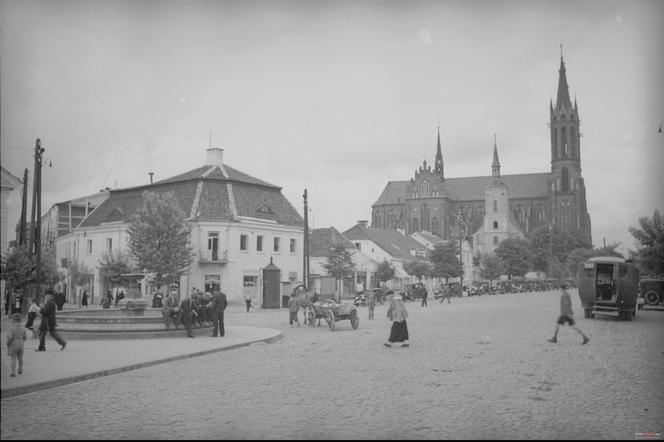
495	166
438	167
563	100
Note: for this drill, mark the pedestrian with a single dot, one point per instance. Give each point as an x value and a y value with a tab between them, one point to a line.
447	294
157	300
32	314
171	310
16	336
371	302
186	313
566	315
48	323
217	306
84	299
397	314
247	301
424	293
292	311
60	300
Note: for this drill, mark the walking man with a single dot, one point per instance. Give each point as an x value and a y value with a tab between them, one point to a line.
566	315
48	323
424	292
371	302
217	307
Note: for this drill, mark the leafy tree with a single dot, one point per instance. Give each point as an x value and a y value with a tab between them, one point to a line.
576	257
160	238
80	273
384	271
548	243
650	244
418	268
111	268
515	255
445	260
339	264
491	267
49	268
17	267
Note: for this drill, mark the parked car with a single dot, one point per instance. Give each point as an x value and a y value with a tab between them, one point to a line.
411	292
453	287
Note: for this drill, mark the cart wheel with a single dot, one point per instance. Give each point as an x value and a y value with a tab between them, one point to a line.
329	317
354	320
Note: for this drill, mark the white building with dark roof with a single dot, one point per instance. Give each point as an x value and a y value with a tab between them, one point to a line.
238	224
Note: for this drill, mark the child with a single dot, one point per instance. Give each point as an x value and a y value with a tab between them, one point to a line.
292	310
566	316
15	338
32	314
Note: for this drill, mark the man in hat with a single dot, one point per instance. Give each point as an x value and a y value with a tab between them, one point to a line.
48	323
217	306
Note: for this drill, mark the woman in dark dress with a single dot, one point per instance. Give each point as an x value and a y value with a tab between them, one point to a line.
84	300
397	314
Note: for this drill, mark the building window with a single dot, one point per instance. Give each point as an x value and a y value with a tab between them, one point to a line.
495	205
250	281
564	181
213	246
109	245
212	283
259	243
425	189
495	225
89	246
358	246
495	240
243	242
277	242
293	245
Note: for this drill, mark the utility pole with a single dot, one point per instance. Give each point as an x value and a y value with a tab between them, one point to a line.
461	224
35	244
22	240
305	255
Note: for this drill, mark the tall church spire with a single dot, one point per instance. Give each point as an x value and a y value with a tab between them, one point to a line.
438	168
563	100
495	166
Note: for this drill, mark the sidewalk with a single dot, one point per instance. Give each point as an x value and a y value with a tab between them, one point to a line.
82	360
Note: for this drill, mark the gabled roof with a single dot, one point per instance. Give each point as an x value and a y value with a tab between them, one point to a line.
529	185
204	193
393	242
8	180
428	236
321	240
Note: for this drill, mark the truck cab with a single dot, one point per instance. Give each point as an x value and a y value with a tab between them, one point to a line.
609	286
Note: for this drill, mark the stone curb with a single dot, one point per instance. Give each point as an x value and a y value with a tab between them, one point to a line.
17	391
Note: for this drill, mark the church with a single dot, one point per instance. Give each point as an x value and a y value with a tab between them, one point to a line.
488	209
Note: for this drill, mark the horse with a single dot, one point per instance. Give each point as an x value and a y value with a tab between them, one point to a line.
305	301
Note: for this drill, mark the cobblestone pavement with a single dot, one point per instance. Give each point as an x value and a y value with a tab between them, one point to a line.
478	368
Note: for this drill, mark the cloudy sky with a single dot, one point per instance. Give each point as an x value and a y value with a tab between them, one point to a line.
337	97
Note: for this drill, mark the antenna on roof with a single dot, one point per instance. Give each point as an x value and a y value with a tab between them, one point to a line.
210	139
103	186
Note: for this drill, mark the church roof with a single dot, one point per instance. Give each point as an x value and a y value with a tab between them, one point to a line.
204	193
395	243
530	185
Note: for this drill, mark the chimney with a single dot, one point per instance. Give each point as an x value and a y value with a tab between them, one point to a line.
151	174
215	156
363	223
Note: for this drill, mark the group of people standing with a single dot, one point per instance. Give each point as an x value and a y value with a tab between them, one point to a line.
199	308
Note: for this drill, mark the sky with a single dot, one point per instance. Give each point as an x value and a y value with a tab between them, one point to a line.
336	97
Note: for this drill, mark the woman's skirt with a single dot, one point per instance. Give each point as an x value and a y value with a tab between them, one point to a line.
399	332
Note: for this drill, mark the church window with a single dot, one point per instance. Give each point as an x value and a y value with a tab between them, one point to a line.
539	214
435	225
415	225
564	180
495	240
563	141
519	214
495	205
572	136
495	225
554	141
425	189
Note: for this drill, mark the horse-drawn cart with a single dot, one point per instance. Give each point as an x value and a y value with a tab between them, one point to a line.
334	312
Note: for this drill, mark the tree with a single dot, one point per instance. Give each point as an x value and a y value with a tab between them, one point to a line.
17	267
445	260
111	268
384	271
339	264
160	238
49	268
515	255
491	267
418	268
649	237
548	242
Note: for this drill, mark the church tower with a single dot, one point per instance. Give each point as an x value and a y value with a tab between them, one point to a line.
438	167
567	195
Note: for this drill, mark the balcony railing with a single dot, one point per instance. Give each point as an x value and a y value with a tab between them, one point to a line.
212	257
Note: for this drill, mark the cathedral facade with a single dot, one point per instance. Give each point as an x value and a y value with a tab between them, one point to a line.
495	207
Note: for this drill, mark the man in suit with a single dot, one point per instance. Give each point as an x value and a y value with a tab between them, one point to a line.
217	307
48	323
187	315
